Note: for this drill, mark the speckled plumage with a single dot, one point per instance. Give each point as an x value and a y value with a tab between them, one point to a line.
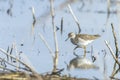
82	40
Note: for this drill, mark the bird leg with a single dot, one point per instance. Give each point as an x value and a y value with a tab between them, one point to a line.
84	51
74	51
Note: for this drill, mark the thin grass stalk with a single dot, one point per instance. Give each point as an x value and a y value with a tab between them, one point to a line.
75	18
45	42
55	37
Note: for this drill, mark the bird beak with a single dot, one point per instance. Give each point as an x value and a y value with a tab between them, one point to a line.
67	39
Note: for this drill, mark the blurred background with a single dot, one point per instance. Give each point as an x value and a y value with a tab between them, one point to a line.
95	17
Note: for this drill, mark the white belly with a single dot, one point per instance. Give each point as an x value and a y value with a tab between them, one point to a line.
83	42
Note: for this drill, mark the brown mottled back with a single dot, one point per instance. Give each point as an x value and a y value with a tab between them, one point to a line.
87	36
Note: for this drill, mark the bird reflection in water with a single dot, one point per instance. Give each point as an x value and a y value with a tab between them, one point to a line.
81	63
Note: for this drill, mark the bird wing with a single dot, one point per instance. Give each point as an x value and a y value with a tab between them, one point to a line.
87	36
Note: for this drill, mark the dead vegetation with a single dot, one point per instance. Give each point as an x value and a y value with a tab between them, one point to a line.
25	72
115	54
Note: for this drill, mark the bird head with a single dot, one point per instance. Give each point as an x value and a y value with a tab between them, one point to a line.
70	35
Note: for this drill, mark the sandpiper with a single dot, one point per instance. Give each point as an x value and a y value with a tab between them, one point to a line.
81	40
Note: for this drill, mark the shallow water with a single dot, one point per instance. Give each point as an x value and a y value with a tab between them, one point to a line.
17	29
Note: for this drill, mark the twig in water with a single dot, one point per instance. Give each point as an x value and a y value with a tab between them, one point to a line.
11	50
75	18
7	55
116	53
17	57
3	51
34	20
23	63
2	63
4	68
112	53
9	63
9	11
108	9
61	29
116	60
92	56
114	68
45	42
115	40
104	65
57	72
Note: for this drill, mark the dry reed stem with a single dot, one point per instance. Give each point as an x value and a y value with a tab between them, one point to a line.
55	37
115	72
23	63
117	49
115	40
7	55
92	56
61	29
104	66
108	8
112	53
114	67
10	63
11	50
34	20
116	60
3	51
17	56
5	68
75	18
45	42
9	11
